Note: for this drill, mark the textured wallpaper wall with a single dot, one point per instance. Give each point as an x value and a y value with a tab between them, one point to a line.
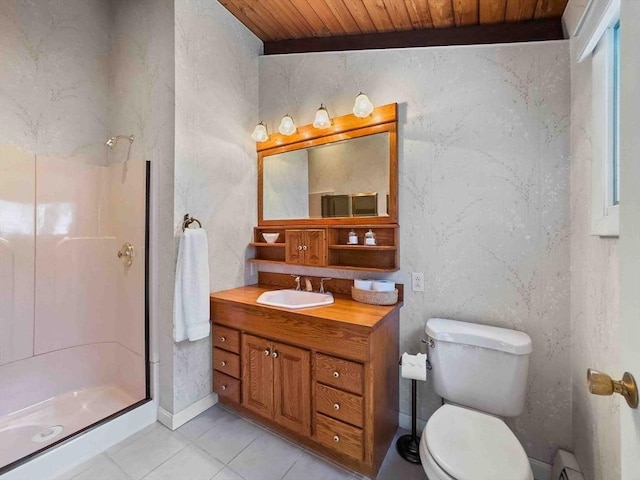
484	194
594	291
216	94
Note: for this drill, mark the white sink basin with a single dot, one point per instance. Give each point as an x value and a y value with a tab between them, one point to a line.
295	299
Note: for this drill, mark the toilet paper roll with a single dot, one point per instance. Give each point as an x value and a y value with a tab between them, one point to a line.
414	366
363	284
383	286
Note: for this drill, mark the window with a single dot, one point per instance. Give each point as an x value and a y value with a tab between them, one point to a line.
598	39
615	157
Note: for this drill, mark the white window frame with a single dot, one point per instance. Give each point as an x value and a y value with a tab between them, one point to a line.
595	39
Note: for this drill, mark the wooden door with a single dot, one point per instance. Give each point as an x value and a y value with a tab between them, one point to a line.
292	388
315	253
294	241
257	375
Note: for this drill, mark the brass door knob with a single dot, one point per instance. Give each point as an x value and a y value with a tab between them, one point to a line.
601	384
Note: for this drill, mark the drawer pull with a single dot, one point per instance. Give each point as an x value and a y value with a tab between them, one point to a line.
267	352
336	374
223	339
223	388
336	406
336	438
224	364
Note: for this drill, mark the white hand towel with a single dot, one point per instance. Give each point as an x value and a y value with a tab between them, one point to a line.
191	298
414	366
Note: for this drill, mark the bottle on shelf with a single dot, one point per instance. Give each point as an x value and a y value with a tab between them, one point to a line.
353	238
370	238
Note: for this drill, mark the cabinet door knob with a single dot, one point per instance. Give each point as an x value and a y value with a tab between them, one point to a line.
299	247
336	406
223	339
275	354
223	363
223	388
336	374
304	247
267	352
336	438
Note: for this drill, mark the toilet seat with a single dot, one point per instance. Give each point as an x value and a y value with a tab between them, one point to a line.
464	444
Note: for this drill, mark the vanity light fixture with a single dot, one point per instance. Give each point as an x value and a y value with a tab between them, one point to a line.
362	107
322	120
260	133
287	127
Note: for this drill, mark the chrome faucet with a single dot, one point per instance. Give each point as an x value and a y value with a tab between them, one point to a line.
307	285
322	280
297	280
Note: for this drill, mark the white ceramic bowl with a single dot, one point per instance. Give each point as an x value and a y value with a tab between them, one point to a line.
270	237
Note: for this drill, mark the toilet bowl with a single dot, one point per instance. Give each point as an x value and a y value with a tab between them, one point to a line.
482	370
462	444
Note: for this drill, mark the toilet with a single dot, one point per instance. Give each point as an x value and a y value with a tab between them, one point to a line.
481	373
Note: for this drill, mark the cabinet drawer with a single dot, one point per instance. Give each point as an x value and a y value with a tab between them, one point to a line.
226	362
339	436
338	404
339	373
226	338
226	387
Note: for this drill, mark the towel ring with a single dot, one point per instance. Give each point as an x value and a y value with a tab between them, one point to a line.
188	220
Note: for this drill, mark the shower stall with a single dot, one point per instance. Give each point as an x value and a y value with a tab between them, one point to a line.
73	223
72	290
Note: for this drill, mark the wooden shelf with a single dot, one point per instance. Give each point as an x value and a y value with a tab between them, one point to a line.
332	249
363	269
371	248
261	260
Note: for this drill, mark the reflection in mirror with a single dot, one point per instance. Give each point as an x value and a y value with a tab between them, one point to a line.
342	179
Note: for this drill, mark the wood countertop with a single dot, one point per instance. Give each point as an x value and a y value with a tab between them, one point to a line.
344	309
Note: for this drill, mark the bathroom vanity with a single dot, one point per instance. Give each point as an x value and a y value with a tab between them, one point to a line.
325	377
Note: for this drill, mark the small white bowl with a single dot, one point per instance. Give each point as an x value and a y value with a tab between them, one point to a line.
270	237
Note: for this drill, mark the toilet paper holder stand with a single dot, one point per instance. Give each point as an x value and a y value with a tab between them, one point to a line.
408	445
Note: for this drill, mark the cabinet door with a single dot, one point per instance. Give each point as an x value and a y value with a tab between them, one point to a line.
294	240
257	375
292	388
315	252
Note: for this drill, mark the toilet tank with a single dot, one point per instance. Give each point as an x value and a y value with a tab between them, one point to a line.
479	366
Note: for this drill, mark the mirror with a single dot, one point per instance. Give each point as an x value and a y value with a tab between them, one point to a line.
346	174
349	178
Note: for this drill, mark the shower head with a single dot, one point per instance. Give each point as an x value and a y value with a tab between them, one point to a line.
113	140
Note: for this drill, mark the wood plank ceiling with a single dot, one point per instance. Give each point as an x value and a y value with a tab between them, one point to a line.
296	22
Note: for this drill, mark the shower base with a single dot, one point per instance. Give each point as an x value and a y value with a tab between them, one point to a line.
37	426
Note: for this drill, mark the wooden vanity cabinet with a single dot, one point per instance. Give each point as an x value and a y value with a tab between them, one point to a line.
325	377
306	247
277	382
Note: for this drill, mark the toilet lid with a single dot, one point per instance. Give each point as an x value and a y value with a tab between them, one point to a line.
470	445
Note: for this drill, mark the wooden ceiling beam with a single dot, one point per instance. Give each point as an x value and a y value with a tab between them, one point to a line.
531	31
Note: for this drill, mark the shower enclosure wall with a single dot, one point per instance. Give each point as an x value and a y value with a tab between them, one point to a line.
73	328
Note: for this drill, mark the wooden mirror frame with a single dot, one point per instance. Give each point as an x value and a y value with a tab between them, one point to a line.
382	119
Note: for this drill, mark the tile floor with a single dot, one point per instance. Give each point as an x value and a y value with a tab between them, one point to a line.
220	445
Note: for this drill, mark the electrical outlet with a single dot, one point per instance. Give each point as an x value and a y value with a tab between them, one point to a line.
417	281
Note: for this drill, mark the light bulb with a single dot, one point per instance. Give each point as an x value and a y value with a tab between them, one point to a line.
287	127
362	107
260	133
322	119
